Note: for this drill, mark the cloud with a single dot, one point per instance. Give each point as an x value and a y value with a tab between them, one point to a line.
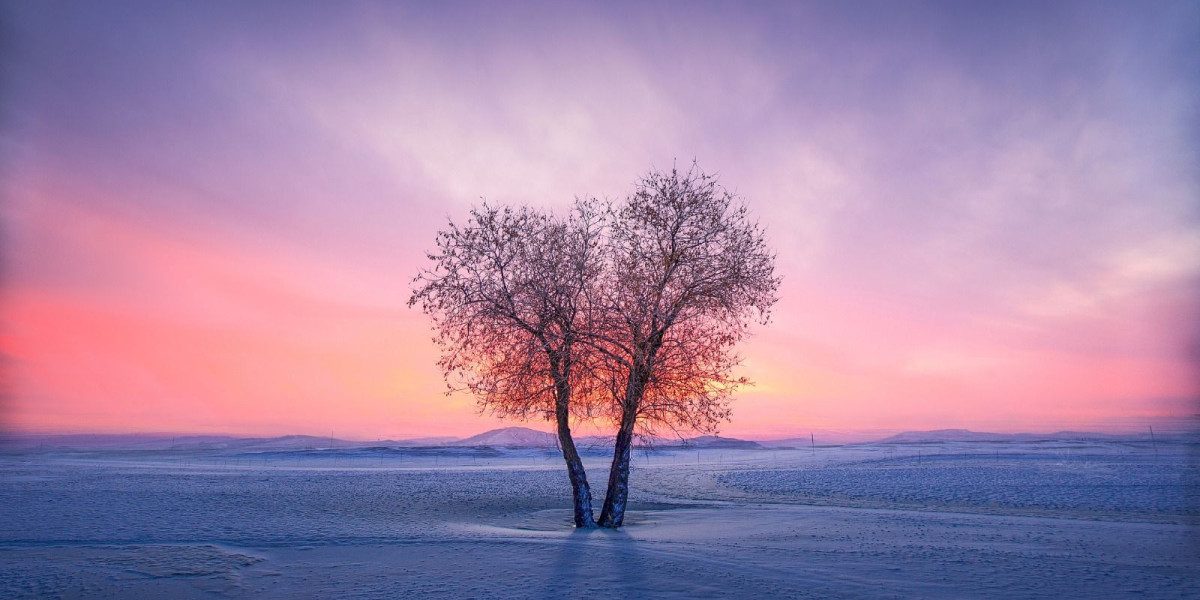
967	204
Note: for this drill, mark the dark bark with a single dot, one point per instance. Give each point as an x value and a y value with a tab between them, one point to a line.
581	492
616	496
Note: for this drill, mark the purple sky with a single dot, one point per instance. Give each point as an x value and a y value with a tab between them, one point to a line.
986	215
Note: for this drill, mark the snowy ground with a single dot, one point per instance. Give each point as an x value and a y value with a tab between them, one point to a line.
966	520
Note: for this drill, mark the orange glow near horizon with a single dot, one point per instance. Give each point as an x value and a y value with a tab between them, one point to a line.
206	347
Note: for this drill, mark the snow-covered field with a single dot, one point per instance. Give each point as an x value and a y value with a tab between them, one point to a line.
948	520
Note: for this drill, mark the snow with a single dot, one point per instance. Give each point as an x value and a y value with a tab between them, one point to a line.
966	435
515	437
1075	519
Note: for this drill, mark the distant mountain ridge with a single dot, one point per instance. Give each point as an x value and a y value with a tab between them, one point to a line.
522	437
966	435
505	437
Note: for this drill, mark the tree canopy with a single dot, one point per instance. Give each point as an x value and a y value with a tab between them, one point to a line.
625	311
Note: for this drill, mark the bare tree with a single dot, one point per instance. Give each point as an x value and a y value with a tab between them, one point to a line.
629	314
508	294
686	273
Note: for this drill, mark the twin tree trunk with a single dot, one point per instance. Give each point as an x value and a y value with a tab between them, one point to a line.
612	515
613	512
581	493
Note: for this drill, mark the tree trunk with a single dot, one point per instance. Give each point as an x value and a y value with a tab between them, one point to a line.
613	513
581	492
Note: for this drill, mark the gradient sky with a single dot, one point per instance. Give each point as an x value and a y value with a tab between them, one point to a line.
986	215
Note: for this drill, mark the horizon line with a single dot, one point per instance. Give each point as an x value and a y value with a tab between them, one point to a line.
1185	423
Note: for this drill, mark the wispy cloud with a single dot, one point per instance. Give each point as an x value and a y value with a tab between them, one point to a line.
985	215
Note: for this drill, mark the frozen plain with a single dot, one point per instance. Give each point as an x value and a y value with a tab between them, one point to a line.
948	520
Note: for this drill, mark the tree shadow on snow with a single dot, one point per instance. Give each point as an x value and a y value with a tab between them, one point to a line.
589	560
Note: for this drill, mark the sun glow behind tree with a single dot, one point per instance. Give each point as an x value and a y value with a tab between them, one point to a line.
629	312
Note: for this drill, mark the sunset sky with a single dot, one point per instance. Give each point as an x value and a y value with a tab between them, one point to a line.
986	215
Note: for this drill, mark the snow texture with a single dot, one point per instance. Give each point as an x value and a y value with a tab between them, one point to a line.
1065	519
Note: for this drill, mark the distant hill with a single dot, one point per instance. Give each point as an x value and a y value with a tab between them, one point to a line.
101	441
509	437
704	441
605	442
424	441
713	441
530	438
944	435
524	437
965	435
830	437
157	441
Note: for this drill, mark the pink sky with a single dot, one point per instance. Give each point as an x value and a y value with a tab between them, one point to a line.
211	214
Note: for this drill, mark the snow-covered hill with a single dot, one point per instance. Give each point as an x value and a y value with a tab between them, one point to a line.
509	437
